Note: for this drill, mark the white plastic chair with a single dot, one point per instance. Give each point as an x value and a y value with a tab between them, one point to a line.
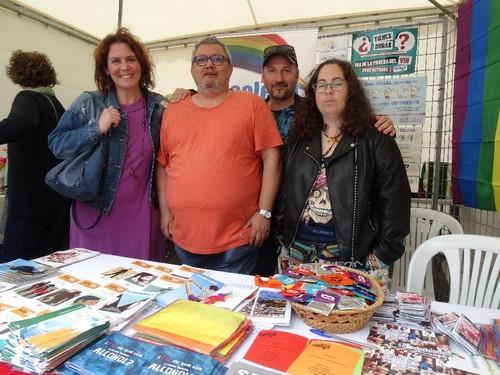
474	263
425	223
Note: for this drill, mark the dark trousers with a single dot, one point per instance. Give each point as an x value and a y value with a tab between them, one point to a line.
267	261
29	237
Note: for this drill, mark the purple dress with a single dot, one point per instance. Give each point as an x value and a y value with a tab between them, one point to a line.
132	227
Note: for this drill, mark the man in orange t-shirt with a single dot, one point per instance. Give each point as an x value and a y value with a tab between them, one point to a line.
220	168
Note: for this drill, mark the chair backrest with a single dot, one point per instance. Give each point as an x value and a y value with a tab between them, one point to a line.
474	263
425	223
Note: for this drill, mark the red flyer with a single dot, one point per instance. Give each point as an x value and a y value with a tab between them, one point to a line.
276	349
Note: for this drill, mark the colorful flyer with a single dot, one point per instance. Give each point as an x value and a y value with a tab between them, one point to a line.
384	51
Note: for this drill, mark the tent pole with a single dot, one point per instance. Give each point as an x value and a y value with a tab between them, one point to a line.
443	9
120	13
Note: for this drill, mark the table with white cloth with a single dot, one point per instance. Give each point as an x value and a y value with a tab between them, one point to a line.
95	266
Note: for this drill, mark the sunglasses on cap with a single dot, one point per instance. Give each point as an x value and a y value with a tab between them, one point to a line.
283	50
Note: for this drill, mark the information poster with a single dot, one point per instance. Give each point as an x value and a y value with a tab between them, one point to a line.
332	46
403	100
409	139
384	51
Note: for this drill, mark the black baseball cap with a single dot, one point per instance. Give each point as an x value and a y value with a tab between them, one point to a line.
284	50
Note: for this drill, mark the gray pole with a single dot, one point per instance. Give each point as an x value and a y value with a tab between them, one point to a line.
120	13
436	183
443	9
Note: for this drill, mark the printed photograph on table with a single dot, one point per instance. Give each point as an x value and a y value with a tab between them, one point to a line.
36	290
399	361
118	272
60	296
67	257
141	279
418	340
88	300
272	307
126	301
21	271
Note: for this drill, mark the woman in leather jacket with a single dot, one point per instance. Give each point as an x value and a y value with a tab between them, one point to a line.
124	220
347	196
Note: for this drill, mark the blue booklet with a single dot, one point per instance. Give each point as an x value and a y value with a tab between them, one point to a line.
118	354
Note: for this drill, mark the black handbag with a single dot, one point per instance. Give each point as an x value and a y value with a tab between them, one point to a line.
80	178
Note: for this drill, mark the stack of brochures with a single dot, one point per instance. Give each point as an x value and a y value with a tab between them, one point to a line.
459	328
43	343
414	309
22	271
120	354
202	328
389	309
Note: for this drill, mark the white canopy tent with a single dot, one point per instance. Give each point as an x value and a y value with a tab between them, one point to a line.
167	20
67	30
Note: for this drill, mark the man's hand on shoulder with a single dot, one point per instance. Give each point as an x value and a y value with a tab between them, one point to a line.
385	125
178	95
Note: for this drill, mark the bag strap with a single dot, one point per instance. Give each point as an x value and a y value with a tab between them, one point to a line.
77	221
52	105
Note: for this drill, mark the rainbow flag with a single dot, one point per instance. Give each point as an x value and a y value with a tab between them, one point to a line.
247	51
476	107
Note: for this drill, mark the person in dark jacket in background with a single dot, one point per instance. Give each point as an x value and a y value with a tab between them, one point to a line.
347	196
37	221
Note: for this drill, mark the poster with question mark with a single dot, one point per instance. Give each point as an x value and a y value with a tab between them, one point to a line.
384	51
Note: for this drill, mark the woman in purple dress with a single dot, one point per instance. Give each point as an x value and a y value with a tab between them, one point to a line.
128	115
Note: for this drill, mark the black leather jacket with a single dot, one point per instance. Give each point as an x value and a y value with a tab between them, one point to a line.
382	193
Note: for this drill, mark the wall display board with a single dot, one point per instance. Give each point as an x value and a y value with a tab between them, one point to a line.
403	99
333	46
384	51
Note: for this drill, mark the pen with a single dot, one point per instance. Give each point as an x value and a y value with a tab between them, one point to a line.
345	339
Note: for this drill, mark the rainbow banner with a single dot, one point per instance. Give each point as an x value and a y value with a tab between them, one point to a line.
476	107
247	51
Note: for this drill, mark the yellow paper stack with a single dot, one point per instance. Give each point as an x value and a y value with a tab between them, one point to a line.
196	326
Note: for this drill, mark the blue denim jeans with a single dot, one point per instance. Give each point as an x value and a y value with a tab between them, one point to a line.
241	259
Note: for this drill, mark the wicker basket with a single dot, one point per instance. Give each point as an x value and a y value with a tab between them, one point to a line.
342	321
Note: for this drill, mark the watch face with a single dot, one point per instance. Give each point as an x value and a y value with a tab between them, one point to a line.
265	213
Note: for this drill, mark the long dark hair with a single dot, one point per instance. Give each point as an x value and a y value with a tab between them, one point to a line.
102	79
358	112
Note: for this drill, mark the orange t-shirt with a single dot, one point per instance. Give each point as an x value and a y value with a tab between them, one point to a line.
214	169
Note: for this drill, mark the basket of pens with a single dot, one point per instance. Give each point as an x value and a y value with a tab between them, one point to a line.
332	298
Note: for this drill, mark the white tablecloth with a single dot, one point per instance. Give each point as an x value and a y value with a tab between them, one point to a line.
95	266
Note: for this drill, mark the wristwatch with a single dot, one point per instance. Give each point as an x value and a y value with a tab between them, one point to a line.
266	213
